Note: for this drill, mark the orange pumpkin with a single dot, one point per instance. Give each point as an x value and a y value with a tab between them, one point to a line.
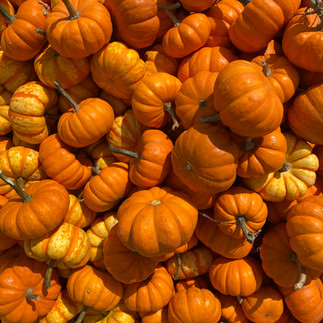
231	309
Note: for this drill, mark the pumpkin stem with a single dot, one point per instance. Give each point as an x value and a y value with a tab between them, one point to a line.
171	6
248	144
285	168
265	68
302	271
19	190
82	314
73	13
210	119
215	221
179	267
240	299
168	108
6	15
124	152
29	294
241	222
96	169
66	96
49	273
41	32
173	18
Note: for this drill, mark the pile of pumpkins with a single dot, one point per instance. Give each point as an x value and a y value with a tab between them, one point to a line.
161	161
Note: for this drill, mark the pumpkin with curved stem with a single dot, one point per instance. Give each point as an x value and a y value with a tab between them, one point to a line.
193	305
293	179
151	160
150	295
205	175
142	226
212	59
261	155
20	40
125	133
62	165
28	108
152	100
187	35
280	72
87	23
236	276
276	253
31	215
123	264
101	194
117	69
241	89
259	22
8	7
22	295
231	309
51	66
132	18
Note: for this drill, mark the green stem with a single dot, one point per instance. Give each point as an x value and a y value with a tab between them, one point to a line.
125	152
241	222
82	314
66	96
41	32
6	15
49	273
29	294
285	168
19	190
173	18
73	14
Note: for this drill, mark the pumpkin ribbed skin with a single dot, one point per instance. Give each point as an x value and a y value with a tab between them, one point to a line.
141	225
231	309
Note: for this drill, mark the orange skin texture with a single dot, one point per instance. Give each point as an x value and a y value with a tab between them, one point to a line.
5	241
246	101
191	34
6	4
15	280
5	127
194	305
150	295
27	109
19	40
123	264
231	309
35	218
259	22
50	66
159	316
61	164
82	36
101	194
204	158
117	69
200	6
148	216
305	304
90	122
94	288
133	18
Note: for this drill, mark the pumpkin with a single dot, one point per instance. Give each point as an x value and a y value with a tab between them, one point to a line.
302	38
101	194
276	253
236	276
212	59
20	40
305	304
241	89
151	160
92	117
5	241
231	309
259	22
14	73
142	226
194	305
308	78
293	179
5	126
261	155
304	116
119	106
187	35
133	18
9	256
28	108
123	264
8	7
22	295
151	294
51	66
280	72
88	23
159	316
304	229
117	69
264	305
62	165
5	95
125	133
190	5
204	158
